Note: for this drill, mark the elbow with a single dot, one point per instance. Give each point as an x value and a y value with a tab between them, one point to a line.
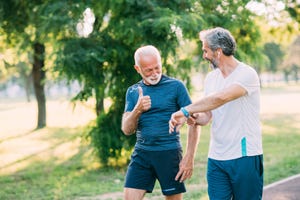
204	118
202	123
126	131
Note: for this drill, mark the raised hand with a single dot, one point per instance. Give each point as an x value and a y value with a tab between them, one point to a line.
144	102
177	121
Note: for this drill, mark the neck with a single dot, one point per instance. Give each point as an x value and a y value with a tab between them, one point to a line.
227	65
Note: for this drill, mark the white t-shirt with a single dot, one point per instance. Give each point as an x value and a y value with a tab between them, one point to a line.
235	130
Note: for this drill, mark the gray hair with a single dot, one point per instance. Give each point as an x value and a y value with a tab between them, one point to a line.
148	50
219	38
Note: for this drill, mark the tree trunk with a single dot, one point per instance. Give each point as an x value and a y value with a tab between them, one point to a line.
38	75
99	101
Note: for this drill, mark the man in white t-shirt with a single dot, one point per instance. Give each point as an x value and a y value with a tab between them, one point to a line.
232	103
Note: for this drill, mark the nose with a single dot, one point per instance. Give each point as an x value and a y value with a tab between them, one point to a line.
154	74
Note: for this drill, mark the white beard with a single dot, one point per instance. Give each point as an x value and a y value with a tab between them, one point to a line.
153	80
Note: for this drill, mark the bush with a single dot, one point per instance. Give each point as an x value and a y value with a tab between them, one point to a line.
108	140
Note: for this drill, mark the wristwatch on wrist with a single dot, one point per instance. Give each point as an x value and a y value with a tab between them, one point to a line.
185	112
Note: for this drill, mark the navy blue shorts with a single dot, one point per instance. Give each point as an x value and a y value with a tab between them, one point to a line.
240	178
148	166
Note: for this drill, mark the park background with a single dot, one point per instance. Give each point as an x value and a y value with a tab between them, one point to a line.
65	67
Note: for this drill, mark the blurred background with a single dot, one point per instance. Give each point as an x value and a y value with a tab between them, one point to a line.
65	67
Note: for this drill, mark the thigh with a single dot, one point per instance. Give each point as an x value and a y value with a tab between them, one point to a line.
166	165
247	179
133	194
174	197
219	186
140	174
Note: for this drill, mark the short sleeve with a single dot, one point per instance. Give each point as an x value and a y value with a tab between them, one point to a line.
248	79
183	95
131	98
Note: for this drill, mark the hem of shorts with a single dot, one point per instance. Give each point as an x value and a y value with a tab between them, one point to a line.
147	191
173	193
232	158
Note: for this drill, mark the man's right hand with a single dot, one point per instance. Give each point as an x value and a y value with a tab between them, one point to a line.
144	102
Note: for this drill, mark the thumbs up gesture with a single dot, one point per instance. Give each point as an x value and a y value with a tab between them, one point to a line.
144	102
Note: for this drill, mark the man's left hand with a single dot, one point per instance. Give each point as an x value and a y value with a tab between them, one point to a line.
186	167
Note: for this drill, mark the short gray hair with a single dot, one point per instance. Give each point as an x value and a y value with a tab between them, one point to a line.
219	38
146	51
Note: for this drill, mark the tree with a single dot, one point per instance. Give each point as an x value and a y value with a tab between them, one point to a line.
32	24
293	8
275	55
291	65
13	70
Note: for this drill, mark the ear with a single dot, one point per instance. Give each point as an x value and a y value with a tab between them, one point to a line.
219	50
137	68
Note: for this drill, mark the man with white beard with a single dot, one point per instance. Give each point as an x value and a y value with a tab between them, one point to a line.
157	154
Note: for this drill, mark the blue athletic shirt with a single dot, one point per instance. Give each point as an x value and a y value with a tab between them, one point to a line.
167	97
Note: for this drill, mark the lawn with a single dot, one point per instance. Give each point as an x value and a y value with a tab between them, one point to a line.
57	163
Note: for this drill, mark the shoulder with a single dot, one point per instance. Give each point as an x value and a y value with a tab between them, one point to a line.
247	72
133	88
246	68
171	80
247	77
177	85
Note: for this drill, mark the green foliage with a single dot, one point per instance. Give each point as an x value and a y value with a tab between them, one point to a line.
293	8
108	139
82	59
275	55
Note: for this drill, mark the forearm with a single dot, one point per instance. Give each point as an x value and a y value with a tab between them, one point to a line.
186	165
205	104
130	121
193	138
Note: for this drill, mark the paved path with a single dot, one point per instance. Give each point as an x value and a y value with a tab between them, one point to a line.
286	189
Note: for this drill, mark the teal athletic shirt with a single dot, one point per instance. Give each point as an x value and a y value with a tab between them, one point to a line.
167	97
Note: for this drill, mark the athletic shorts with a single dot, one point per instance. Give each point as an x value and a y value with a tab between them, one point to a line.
240	178
148	166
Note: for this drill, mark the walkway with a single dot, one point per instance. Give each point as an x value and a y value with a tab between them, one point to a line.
286	189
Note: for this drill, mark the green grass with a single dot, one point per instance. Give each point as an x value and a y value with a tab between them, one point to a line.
49	175
281	148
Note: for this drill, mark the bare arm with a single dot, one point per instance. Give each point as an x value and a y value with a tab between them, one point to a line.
218	99
207	103
186	165
130	119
